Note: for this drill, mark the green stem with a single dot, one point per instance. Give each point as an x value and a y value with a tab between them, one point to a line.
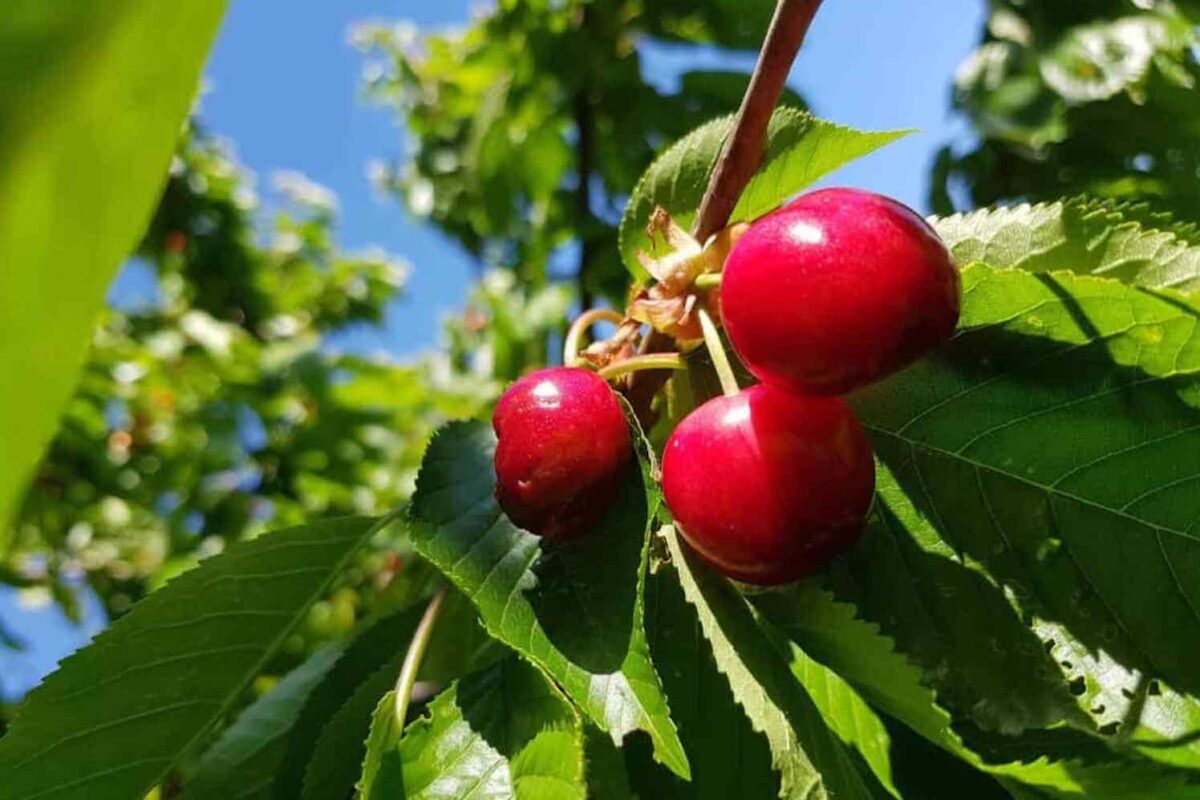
709	280
716	350
643	362
572	344
416	652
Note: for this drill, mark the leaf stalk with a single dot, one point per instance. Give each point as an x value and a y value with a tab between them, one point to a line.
415	654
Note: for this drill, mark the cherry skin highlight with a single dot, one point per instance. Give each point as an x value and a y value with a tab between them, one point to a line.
836	290
768	485
563	444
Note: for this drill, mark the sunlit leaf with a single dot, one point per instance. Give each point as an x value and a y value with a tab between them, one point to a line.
800	149
810	759
119	713
504	732
1086	236
729	758
91	101
574	609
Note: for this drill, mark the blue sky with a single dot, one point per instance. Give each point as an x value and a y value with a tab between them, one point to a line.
287	94
284	88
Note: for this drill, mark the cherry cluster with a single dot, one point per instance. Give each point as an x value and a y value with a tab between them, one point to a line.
834	291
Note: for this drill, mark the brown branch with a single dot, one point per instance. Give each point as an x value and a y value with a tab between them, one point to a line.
739	159
584	218
585	125
744	148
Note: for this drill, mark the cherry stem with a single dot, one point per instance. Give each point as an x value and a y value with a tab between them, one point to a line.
572	344
642	362
415	654
709	280
716	350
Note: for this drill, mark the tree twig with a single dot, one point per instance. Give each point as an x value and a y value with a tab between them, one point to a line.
739	158
585	125
743	149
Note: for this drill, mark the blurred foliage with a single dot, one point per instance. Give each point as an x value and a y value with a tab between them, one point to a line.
1095	96
209	409
528	128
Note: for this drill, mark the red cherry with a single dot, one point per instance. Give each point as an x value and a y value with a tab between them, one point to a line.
836	290
563	441
768	485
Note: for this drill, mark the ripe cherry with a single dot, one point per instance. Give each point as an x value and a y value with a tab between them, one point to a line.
768	485
563	442
836	290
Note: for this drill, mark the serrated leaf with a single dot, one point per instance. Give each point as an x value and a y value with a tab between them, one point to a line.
811	761
1035	514
91	100
504	732
375	647
574	609
854	650
800	149
244	761
327	751
848	716
1087	236
119	713
729	758
328	761
831	633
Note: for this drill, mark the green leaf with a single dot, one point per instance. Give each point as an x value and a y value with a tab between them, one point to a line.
327	750
338	752
92	97
800	150
1083	235
729	758
373	649
854	650
811	761
830	633
504	732
604	767
847	715
1031	547
333	765
243	762
119	713
573	609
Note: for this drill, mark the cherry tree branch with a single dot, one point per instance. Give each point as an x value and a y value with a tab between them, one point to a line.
743	149
739	159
